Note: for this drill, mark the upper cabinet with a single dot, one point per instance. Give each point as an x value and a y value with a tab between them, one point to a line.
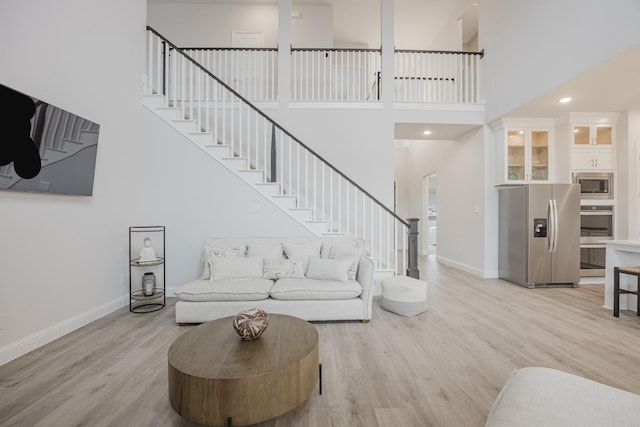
525	150
593	137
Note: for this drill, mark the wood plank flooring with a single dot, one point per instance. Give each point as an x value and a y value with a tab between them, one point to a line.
441	368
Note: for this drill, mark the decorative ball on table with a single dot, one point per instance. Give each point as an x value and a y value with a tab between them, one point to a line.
250	324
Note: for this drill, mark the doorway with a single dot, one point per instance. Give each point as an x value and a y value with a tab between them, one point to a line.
430	210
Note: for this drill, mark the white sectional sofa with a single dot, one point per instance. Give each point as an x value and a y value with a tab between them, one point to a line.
536	396
307	277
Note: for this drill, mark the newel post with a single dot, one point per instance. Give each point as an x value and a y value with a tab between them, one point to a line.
412	267
274	156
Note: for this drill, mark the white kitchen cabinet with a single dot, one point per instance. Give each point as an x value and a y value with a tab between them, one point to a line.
593	141
592	159
525	151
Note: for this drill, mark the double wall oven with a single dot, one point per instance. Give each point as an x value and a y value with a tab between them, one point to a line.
596	225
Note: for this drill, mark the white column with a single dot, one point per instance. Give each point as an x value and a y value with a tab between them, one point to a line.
284	53
387	38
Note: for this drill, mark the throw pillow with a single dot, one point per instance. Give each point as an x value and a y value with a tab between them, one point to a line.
210	252
353	254
280	268
303	251
223	268
329	269
265	251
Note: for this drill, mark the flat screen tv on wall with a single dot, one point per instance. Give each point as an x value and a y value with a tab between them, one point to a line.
44	148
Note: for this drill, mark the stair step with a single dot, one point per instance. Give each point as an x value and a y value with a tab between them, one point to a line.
201	138
168	113
185	126
271	189
252	176
302	214
286	202
333	234
153	101
235	163
318	227
218	151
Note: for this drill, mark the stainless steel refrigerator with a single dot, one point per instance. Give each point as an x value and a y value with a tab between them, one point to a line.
539	234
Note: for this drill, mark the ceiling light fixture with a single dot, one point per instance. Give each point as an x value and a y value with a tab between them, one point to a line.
427	132
565	100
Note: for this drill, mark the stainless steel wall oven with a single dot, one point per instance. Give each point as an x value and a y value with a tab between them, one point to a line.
596	225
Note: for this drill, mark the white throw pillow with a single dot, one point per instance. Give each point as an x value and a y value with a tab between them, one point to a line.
303	251
265	251
210	252
329	269
223	268
351	253
279	268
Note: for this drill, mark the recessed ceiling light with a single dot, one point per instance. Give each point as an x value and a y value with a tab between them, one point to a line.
565	99
427	132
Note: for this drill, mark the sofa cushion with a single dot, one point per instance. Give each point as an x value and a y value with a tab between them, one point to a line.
226	290
353	254
265	251
228	248
223	268
329	269
313	289
302	251
281	268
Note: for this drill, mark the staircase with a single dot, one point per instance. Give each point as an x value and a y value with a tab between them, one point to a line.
243	139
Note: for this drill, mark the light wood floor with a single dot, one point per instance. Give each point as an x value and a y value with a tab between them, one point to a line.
441	368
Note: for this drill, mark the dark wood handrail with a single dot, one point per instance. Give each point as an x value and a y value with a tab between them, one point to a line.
274	123
453	52
333	49
268	49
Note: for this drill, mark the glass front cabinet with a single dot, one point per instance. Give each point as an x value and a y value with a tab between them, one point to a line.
593	137
525	151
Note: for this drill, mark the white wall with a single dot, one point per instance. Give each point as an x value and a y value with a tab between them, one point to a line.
61	257
430	24
461	204
531	47
211	25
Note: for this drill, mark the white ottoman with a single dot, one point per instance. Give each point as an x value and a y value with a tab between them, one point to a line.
404	295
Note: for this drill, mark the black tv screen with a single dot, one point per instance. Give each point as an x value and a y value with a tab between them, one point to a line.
44	148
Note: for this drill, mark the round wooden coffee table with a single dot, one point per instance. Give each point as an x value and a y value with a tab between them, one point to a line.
217	379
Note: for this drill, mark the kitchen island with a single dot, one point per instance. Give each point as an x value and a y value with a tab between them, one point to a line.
621	253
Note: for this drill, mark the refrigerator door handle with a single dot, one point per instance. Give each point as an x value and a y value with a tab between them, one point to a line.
550	226
555	225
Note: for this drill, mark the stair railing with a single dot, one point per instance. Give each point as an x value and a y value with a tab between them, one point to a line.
316	187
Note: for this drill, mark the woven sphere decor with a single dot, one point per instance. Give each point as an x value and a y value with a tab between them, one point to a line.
250	324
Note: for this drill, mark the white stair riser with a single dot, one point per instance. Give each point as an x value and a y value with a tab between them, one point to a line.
252	177
316	227
168	113
153	101
185	126
286	202
302	214
201	138
236	164
269	189
218	151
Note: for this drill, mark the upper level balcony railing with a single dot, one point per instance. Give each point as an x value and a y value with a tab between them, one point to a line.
437	76
420	76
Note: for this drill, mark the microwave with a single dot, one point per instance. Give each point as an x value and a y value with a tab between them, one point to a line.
594	185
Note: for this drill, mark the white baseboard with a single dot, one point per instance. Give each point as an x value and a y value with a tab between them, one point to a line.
45	336
460	266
